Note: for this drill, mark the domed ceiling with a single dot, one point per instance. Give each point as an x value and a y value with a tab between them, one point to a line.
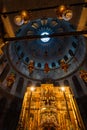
46	50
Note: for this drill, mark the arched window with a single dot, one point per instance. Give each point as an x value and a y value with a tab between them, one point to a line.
71	53
20	85
77	85
27	59
4	72
56	84
39	65
53	64
65	58
66	82
74	44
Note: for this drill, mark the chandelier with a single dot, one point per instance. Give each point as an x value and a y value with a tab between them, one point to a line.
23	18
64	12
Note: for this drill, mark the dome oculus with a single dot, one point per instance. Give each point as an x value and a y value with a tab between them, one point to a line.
45	39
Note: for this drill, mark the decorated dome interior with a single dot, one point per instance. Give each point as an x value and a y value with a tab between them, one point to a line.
46	50
46	45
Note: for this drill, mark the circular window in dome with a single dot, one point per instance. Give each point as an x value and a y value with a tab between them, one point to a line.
45	39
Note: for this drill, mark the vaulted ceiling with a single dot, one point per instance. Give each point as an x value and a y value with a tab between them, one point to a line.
79	11
56	48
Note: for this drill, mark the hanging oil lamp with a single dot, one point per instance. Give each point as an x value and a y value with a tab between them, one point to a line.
64	12
22	18
64	65
83	75
31	66
10	79
26	16
46	68
18	20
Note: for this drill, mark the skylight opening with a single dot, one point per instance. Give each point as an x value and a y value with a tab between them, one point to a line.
45	39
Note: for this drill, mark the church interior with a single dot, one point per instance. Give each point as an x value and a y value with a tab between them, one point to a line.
43	65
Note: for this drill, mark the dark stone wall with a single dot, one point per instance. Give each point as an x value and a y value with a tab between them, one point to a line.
12	115
82	104
10	107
